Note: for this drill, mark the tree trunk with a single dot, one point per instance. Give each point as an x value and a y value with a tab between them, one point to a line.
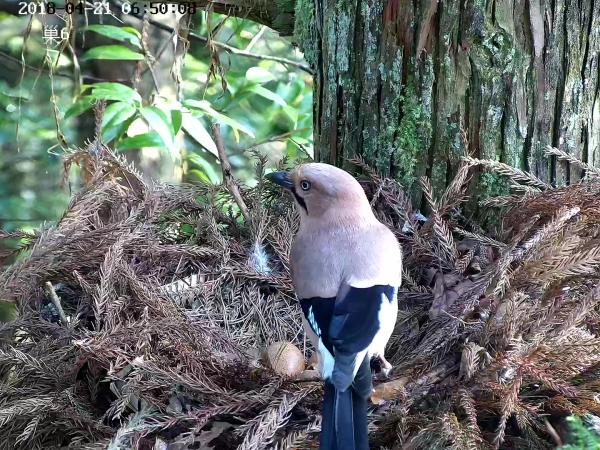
399	82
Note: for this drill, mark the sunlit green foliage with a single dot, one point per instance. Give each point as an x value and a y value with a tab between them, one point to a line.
262	105
582	437
30	166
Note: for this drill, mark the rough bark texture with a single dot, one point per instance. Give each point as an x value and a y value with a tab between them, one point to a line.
397	81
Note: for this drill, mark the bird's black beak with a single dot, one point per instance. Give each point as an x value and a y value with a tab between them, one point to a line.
281	178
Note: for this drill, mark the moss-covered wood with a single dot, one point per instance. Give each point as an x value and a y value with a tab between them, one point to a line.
399	81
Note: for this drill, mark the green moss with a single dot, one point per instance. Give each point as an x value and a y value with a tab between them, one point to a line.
492	185
305	33
383	143
372	28
342	37
413	136
494	60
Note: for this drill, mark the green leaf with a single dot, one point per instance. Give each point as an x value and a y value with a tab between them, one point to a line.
259	75
159	122
112	52
117	112
176	118
196	130
115	119
10	95
206	168
269	95
132	31
79	107
204	106
116	131
115	91
151	139
292	113
122	34
200	175
301	140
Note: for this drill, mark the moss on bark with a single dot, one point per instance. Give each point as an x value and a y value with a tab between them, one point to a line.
401	82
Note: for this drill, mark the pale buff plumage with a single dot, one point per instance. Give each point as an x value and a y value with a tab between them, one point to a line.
340	243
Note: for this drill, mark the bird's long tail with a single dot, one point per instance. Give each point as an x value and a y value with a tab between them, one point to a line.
344	424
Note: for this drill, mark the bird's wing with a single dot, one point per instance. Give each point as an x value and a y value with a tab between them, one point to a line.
318	312
345	327
358	315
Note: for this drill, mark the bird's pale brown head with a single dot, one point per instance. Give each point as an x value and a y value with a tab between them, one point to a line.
321	189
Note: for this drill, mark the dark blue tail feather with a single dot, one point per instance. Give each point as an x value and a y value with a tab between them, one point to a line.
327	441
344	424
361	425
344	419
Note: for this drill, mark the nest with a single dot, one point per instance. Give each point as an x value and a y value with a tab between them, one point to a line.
143	312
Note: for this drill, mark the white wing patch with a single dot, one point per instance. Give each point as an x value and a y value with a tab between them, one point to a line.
387	316
313	322
326	359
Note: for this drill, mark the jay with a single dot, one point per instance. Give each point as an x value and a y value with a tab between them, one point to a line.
346	269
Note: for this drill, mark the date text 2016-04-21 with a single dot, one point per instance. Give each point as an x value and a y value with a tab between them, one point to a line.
104	7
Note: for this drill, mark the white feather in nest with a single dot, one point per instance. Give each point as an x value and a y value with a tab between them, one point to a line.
258	260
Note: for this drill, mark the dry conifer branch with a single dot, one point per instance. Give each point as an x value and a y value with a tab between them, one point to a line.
564	156
227	175
515	341
513	173
55	299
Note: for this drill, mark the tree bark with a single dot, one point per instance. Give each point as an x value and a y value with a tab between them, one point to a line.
398	81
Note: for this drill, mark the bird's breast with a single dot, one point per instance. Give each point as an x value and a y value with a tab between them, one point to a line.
317	266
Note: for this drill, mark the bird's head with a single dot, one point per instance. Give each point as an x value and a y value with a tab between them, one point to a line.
323	190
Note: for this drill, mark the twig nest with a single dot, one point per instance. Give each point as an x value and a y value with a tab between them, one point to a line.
285	359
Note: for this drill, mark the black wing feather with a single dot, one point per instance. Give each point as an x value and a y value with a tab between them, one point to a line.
347	326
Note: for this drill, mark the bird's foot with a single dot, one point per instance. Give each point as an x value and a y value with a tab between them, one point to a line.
381	366
386	367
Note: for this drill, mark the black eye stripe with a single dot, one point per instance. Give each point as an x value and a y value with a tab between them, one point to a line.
300	200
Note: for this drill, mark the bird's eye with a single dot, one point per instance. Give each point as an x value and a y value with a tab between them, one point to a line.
305	185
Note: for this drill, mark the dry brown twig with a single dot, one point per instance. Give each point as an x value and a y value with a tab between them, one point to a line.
228	178
56	302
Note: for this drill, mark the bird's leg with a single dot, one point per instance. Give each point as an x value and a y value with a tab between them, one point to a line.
386	367
380	365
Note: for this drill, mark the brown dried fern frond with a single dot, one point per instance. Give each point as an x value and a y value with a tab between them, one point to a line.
440	228
514	174
564	156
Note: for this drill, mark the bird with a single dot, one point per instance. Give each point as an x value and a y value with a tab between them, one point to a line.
346	269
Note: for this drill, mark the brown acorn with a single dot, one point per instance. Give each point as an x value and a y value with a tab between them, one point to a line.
285	359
